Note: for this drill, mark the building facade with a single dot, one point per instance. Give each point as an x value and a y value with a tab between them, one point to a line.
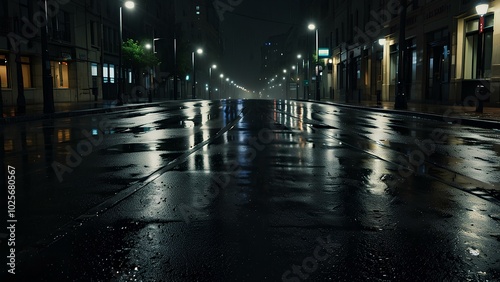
84	44
447	53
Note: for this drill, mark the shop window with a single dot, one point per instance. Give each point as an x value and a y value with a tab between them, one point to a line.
26	68
111	73
108	73
60	74
478	49
105	75
4	71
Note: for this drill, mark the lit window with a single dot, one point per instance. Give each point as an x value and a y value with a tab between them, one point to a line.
105	75
475	49
26	69
111	73
4	71
93	69
60	74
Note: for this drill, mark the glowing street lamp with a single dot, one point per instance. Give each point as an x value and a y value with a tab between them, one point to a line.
313	27
210	81
199	51
128	5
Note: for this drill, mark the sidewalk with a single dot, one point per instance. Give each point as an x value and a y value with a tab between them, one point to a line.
68	109
490	118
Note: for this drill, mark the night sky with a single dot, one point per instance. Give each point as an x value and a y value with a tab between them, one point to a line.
246	28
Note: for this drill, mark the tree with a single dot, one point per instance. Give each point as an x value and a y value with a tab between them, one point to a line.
136	57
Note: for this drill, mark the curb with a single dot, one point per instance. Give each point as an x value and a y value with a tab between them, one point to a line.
453	117
11	120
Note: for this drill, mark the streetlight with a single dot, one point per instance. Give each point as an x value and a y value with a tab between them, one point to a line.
481	9
313	27
150	46
128	5
285	83
401	101
199	52
299	56
220	88
210	81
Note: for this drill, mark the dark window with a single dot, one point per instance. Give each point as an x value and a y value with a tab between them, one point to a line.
92	32
105	39
60	27
3	8
25	9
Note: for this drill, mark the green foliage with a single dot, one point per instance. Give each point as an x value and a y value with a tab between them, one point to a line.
136	57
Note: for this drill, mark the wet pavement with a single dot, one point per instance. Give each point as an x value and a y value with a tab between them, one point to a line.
253	190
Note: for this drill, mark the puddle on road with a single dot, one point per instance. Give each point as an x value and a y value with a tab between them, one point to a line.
144	147
474	252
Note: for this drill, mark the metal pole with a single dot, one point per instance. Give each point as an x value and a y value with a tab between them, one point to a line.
318	92
119	98
175	69
48	84
305	76
297	81
401	102
210	83
194	75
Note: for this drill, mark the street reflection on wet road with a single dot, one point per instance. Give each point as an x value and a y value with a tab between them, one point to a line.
256	190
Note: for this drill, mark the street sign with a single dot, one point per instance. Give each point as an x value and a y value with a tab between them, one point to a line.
324	52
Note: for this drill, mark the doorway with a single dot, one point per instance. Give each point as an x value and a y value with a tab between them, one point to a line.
438	66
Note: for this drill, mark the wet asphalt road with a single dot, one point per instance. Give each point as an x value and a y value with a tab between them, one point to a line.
254	191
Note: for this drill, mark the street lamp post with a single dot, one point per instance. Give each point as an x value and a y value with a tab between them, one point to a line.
481	9
175	68
401	100
286	83
193	61
298	79
121	80
153	75
318	94
210	81
220	88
